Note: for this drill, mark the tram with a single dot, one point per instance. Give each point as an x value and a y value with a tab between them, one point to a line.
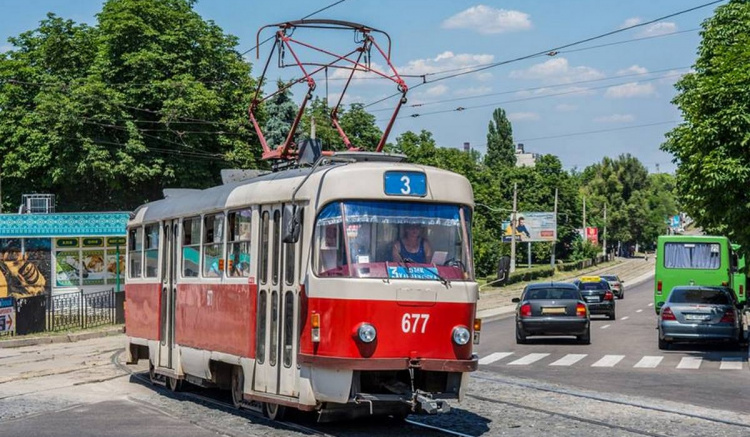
283	289
342	283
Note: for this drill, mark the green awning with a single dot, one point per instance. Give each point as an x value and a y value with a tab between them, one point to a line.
63	224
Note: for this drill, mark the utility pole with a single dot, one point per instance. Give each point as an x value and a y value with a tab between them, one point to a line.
604	249
513	230
554	242
584	218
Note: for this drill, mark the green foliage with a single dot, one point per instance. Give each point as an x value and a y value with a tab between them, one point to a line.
280	113
501	152
711	145
583	249
151	97
359	126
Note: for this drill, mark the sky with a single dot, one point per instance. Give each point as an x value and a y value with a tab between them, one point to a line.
606	97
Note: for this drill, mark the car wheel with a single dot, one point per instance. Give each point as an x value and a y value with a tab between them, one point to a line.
585	338
663	344
520	336
612	315
621	295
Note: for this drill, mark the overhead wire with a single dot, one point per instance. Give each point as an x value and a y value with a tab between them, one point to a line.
550	50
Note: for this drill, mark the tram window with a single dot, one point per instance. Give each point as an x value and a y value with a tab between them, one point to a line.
135	241
289	262
213	245
274	328
288	328
191	246
260	338
151	251
238	251
263	265
276	241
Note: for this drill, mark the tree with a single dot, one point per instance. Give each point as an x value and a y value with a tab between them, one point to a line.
319	110
280	113
107	116
710	146
501	151
359	126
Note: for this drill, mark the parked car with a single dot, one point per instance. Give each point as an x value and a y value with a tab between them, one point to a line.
615	284
597	294
552	309
698	313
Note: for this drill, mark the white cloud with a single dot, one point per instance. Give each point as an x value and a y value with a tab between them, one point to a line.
445	61
437	90
568	91
660	28
632	89
633	69
557	70
523	116
631	22
484	77
615	118
488	20
472	91
564	107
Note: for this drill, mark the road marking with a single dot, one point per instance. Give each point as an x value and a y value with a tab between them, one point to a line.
651	304
606	326
638	311
608	361
690	363
569	359
625	318
528	359
491	358
731	363
648	362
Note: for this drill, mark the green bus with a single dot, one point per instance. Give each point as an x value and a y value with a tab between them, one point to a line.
697	260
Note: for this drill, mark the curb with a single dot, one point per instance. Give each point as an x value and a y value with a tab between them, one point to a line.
64	338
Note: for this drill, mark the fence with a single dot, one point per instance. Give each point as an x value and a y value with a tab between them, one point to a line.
75	310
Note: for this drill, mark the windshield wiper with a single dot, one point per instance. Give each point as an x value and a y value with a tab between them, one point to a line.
406	262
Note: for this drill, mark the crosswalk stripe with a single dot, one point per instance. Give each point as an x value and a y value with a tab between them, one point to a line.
625	318
605	326
569	359
731	363
491	358
648	362
651	304
638	311
608	361
690	363
528	359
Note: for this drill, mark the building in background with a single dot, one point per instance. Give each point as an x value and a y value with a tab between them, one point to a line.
524	159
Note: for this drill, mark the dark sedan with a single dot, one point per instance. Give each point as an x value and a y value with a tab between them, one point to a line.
552	309
598	295
696	313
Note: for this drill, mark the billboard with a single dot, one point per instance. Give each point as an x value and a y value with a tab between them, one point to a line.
532	227
592	234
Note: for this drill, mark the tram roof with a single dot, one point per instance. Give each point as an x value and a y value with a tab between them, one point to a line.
360	180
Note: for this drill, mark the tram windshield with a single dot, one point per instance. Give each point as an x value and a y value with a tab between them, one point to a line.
394	240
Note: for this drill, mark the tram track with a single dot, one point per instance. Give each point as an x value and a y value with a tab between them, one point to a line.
566	392
250	413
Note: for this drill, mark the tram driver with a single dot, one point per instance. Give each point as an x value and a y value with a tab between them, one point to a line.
412	245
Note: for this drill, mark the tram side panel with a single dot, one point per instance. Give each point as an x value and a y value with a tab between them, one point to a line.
142	311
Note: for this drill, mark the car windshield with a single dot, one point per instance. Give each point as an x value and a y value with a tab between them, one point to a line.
394	240
610	278
552	293
593	286
701	296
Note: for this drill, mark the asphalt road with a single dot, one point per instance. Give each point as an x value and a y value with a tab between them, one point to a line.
623	358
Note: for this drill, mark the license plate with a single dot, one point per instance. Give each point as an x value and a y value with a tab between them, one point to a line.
592	299
553	310
700	317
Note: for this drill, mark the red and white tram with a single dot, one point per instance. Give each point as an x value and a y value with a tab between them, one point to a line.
300	288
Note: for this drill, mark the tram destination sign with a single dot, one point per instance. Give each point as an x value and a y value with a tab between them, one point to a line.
399	272
405	183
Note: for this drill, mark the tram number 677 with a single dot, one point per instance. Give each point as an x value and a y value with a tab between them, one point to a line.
411	323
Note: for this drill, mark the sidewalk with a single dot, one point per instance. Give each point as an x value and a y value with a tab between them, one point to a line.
495	303
61	337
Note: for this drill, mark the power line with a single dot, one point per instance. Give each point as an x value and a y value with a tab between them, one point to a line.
551	50
523	99
435	102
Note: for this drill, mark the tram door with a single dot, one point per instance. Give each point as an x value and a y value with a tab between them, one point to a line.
168	293
277	308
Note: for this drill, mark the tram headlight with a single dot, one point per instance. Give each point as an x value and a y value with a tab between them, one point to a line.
367	333
461	335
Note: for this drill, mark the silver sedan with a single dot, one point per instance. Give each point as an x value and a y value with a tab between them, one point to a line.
697	313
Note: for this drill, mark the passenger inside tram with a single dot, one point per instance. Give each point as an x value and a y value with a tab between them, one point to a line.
412	245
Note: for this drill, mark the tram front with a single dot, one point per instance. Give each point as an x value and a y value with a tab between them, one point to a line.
390	293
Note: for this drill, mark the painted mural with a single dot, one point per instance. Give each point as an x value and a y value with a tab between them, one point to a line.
24	270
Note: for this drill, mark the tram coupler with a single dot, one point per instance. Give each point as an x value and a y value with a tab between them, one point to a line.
427	405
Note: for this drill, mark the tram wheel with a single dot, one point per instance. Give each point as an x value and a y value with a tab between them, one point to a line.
174	384
151	372
274	411
238	384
